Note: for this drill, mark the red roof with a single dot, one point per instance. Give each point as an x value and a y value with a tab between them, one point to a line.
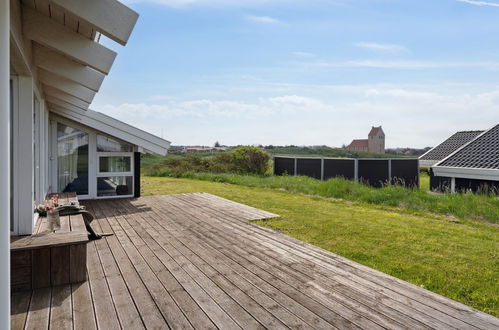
374	131
362	143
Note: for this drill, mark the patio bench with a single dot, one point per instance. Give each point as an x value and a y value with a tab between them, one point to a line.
49	258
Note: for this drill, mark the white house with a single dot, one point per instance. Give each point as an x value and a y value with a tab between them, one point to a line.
51	67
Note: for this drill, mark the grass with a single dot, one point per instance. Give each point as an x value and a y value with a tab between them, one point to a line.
459	260
460	206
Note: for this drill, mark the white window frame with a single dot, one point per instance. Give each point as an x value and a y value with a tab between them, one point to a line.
93	159
109	174
14	230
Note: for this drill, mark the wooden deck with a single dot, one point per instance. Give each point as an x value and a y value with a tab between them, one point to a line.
194	261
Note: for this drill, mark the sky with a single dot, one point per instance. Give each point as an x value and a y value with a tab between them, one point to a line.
306	72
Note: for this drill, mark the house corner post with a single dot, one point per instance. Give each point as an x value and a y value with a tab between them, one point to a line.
4	165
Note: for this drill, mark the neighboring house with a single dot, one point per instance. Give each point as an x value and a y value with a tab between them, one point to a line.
444	149
51	67
375	142
472	167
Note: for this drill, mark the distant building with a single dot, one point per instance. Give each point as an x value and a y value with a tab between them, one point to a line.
202	149
375	142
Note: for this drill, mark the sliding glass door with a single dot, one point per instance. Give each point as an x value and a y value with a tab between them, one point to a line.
72	160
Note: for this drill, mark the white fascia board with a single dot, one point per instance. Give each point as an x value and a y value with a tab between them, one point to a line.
63	66
467	173
116	128
110	17
49	33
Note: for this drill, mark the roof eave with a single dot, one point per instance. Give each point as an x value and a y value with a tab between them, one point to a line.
116	128
467	173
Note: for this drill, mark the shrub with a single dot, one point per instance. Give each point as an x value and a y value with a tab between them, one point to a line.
250	160
242	160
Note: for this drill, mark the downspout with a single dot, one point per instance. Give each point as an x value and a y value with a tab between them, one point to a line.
4	165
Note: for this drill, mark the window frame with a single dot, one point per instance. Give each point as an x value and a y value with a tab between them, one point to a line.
111	174
94	158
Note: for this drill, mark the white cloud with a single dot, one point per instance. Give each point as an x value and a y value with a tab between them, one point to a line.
415	116
395	64
210	3
389	48
263	19
480	3
303	54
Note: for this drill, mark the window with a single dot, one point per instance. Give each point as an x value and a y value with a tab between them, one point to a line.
107	144
115	164
114	186
115	171
72	160
90	163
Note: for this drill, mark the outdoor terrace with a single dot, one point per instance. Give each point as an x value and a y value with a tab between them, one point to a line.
194	261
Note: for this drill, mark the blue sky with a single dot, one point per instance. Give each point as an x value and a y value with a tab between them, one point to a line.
307	72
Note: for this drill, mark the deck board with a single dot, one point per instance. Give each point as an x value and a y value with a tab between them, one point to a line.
194	261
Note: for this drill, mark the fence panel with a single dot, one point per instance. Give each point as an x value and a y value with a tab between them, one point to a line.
334	168
374	172
309	167
405	172
284	166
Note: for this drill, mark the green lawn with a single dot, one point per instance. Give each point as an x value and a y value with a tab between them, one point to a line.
459	260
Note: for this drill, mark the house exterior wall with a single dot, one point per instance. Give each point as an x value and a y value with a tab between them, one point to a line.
54	73
29	128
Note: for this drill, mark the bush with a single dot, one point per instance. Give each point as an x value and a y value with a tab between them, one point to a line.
250	160
242	160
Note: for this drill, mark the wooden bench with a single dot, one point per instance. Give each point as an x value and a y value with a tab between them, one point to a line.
49	258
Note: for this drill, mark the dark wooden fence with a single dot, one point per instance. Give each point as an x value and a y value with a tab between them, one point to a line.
375	172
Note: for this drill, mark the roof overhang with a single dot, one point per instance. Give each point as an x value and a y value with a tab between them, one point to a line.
145	141
60	37
466	173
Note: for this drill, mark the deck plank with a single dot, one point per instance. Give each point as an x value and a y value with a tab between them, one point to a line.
302	281
217	315
150	252
195	261
139	284
19	309
286	264
39	309
105	313
83	307
207	281
125	307
415	308
61	314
